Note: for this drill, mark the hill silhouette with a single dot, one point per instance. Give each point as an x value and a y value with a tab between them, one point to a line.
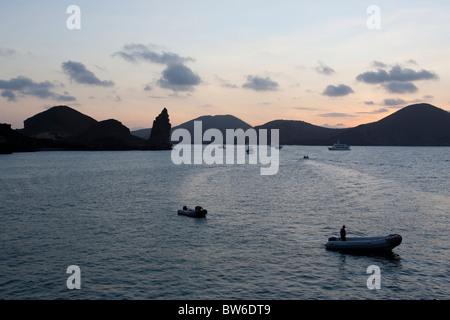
415	125
57	123
109	135
62	127
220	122
297	132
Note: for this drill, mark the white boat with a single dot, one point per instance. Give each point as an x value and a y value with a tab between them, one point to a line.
198	212
384	243
339	146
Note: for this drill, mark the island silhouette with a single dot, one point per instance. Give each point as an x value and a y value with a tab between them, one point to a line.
64	128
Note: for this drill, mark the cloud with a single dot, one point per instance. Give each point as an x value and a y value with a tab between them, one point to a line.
335	115
381	110
400	87
6	52
337	91
337	125
78	72
323	69
379	64
9	94
397	73
226	84
260	84
394	102
23	86
397	79
178	77
135	52
305	108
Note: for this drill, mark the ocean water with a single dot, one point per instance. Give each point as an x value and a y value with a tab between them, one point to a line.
114	215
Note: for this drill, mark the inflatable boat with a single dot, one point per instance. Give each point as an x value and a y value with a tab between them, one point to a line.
198	212
385	243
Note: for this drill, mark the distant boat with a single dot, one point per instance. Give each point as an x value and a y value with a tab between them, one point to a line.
339	146
365	244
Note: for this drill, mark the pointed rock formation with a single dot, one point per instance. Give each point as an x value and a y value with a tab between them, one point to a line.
160	134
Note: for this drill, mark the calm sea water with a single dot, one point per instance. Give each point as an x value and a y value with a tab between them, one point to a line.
114	215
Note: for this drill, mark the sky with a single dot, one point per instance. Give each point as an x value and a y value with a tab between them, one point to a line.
330	63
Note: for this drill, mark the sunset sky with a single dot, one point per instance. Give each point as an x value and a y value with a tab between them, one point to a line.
329	63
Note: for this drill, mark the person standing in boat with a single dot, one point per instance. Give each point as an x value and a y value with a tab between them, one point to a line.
343	233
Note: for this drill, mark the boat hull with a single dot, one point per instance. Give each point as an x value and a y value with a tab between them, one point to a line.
193	213
386	243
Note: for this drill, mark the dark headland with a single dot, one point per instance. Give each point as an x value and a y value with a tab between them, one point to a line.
64	128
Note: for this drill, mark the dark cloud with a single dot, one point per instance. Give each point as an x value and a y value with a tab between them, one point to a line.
260	84
337	125
394	102
336	115
305	108
9	94
23	86
379	64
147	87
78	72
337	91
178	77
397	79
323	69
135	52
381	110
400	87
397	73
60	97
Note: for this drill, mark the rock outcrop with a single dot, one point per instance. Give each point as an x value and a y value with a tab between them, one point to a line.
160	134
13	141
